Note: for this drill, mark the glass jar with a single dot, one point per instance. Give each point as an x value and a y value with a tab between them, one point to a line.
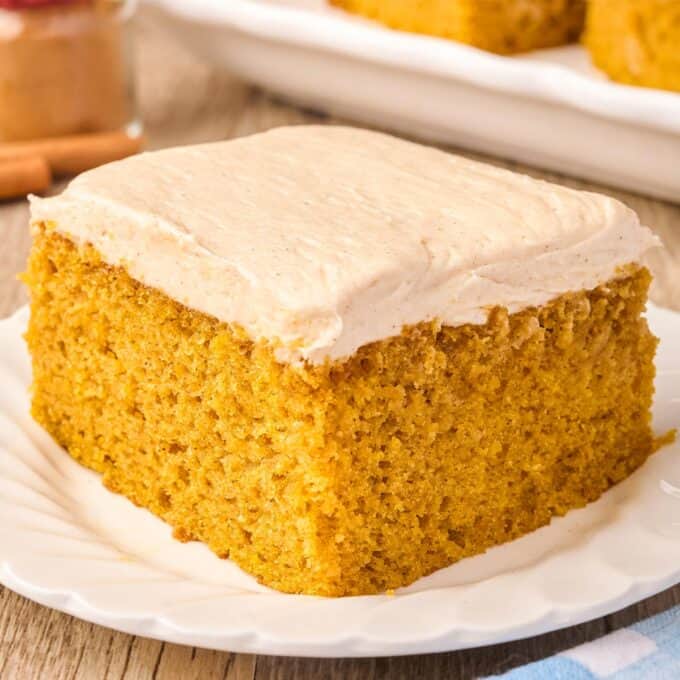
65	68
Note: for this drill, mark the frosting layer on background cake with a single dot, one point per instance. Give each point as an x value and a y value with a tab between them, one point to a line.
328	238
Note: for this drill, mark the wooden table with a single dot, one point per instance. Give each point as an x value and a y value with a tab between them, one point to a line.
185	101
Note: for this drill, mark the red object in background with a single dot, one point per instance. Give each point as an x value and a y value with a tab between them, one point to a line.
28	4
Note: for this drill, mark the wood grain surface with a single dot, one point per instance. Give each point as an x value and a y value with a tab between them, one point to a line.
184	101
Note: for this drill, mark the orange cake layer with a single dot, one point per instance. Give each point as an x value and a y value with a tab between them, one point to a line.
353	475
502	26
636	41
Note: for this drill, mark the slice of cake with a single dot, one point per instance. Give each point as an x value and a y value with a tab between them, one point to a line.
341	359
636	41
504	27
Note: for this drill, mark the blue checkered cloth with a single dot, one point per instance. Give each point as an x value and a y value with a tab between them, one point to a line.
648	650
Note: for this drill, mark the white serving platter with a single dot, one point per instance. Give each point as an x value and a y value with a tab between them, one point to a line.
68	543
549	108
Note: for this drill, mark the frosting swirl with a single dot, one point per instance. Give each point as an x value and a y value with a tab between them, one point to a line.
328	238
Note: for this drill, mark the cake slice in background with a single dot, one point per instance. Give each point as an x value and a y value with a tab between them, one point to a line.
636	41
506	27
341	359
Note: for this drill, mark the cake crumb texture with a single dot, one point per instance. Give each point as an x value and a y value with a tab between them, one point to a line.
636	41
502	26
346	477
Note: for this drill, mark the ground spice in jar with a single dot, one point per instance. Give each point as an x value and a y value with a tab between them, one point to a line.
64	68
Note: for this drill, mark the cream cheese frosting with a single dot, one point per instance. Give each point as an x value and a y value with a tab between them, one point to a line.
324	239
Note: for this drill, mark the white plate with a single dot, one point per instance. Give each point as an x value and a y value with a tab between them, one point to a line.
68	543
549	108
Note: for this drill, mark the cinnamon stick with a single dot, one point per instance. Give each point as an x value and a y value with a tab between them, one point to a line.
72	154
23	175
